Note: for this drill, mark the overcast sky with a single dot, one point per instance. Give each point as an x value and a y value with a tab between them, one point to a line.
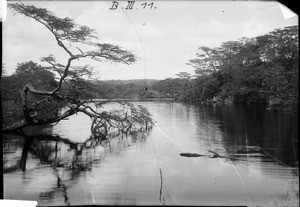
164	38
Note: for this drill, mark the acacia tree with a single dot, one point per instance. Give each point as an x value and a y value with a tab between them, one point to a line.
70	36
262	69
207	61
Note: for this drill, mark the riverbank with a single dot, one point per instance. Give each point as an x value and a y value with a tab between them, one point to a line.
130	99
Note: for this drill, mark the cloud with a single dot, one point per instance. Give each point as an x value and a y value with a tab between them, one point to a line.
164	39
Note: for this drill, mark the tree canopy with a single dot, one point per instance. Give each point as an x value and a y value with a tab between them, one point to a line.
262	69
70	89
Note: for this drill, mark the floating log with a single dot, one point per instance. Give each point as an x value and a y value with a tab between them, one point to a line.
187	154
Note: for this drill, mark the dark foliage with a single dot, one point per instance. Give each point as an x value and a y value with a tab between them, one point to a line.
260	70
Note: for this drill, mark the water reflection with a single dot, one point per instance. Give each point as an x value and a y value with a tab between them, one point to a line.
61	152
67	159
255	131
249	160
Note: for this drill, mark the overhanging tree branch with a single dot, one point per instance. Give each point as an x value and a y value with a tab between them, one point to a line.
65	30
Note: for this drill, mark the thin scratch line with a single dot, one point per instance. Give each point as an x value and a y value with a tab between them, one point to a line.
133	159
226	136
170	138
236	172
140	39
274	157
197	127
93	197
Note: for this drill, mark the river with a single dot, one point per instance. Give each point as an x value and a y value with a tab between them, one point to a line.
258	148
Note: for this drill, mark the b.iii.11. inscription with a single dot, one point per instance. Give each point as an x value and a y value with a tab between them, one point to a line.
129	5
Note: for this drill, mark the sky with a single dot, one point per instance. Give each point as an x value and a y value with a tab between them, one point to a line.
164	37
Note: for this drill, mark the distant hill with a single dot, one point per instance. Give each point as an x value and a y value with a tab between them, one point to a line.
125	89
137	82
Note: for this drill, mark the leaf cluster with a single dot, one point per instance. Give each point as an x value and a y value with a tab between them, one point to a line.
63	28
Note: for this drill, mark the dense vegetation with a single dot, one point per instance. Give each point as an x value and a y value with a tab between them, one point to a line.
124	89
260	70
40	77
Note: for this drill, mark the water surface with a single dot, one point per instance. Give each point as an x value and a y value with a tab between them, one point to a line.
146	169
